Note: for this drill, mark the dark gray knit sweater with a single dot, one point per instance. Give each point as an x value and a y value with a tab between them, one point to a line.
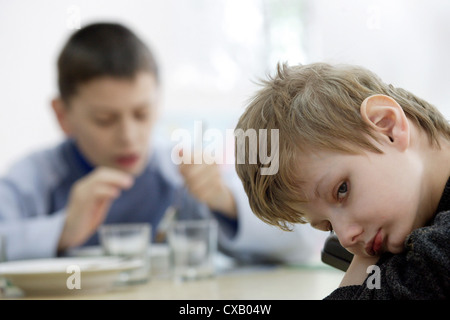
422	271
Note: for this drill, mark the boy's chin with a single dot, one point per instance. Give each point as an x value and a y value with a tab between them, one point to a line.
396	249
136	170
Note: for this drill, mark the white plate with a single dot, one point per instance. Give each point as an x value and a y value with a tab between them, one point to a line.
63	275
158	255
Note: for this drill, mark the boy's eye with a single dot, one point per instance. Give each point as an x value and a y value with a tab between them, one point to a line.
104	121
342	191
143	115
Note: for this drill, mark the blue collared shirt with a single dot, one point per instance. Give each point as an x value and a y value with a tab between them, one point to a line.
34	194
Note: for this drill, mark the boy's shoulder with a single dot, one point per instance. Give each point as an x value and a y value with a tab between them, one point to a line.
431	239
39	166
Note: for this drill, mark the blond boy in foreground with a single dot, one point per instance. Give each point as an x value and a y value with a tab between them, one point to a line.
362	158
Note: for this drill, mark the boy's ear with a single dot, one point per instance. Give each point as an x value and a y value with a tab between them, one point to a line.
386	116
61	113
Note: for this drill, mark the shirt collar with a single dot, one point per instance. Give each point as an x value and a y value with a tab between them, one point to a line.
79	157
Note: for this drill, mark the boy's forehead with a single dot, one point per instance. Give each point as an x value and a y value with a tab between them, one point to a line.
312	161
315	159
313	167
108	92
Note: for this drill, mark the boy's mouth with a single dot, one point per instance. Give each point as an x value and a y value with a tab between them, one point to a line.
128	160
375	245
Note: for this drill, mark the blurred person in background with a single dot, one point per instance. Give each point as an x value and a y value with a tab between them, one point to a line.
108	170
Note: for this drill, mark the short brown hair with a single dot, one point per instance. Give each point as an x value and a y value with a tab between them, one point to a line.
317	105
102	49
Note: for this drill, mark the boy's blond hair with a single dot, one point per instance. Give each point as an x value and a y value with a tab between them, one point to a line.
317	106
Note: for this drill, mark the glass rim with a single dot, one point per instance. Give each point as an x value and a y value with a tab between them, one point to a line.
125	226
189	223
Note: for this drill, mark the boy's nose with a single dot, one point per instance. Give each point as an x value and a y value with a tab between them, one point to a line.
127	131
349	235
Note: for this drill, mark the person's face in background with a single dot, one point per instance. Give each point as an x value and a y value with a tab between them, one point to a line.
111	120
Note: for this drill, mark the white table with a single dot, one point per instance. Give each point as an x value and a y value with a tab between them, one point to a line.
249	283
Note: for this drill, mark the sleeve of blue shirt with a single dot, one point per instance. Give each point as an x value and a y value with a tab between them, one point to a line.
29	231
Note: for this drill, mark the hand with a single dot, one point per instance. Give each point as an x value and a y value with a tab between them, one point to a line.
89	201
357	271
205	182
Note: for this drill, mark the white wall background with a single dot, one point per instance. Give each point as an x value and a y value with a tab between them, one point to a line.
406	42
211	52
